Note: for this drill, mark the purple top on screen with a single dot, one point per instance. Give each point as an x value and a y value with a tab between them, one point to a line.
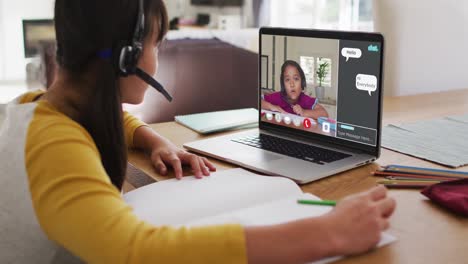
305	101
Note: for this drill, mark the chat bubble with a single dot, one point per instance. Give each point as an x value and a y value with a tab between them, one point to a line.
366	82
351	53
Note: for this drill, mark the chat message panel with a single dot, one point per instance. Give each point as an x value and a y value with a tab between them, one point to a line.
358	85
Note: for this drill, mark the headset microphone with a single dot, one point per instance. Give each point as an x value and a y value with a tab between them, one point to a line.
151	81
129	55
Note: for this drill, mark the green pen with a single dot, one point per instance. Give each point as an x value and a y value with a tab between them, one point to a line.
317	202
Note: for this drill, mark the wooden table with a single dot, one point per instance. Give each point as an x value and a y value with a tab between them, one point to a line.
426	233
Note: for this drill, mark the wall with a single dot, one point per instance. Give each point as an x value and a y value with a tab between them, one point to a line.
267	49
276	60
12	14
426	43
279	59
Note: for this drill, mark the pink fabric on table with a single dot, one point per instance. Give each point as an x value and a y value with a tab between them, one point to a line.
452	195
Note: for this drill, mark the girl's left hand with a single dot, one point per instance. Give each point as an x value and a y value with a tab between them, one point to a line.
298	110
168	154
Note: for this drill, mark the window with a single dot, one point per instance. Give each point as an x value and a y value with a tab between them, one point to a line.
365	15
325	14
308	66
311	66
2	39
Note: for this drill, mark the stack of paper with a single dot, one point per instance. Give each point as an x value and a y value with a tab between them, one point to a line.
444	140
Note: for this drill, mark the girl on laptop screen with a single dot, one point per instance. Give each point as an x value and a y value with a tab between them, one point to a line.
292	99
65	155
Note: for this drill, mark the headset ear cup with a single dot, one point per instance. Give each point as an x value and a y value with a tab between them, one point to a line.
128	52
121	61
127	60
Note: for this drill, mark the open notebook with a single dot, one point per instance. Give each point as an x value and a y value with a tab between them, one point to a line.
228	196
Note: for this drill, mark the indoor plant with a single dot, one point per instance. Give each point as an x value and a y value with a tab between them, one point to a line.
321	73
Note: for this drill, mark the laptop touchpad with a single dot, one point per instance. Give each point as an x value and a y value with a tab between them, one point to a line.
259	157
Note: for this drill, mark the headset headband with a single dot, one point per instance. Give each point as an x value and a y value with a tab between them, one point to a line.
140	24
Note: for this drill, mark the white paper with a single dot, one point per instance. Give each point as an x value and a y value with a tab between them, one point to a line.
384	240
175	202
274	212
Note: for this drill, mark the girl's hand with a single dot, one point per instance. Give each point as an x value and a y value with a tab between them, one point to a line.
357	222
168	154
298	110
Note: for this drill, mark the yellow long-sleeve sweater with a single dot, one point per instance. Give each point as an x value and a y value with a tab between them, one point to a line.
60	183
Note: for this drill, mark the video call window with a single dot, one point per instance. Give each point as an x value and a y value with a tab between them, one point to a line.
321	86
303	94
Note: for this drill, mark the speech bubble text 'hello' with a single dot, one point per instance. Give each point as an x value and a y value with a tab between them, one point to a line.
351	53
366	82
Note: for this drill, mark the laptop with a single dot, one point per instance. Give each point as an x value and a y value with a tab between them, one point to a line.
320	100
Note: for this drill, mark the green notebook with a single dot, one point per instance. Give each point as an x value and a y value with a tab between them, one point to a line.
205	123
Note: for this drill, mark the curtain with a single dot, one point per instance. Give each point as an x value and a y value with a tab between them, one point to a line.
325	14
261	12
2	40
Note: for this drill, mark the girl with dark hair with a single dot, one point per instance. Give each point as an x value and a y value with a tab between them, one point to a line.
291	99
66	150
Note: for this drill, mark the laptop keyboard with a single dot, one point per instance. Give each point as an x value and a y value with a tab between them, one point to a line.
291	148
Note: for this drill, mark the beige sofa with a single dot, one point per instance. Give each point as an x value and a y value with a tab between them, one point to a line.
202	75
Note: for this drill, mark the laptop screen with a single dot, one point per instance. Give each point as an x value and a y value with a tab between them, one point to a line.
321	83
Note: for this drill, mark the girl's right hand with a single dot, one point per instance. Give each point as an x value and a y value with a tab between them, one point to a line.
356	222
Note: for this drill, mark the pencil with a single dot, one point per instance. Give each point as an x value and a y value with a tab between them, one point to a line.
317	202
406	182
403	186
426	171
414	175
414	179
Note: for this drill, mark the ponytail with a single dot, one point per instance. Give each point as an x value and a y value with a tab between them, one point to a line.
104	121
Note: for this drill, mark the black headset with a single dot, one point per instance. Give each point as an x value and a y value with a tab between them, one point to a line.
129	55
301	73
